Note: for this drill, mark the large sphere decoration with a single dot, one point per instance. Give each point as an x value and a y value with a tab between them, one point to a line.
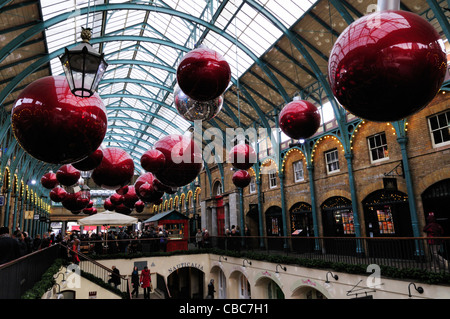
68	175
145	189
387	65
49	180
115	171
130	198
241	178
242	156
139	206
108	205
55	126
58	194
90	162
75	201
193	110
122	190
153	161
299	119
203	74
183	160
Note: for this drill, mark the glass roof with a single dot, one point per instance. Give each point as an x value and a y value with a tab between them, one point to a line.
137	87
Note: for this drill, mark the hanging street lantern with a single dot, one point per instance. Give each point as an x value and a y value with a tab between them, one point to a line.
83	66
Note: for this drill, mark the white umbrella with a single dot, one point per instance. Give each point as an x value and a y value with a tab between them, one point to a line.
107	218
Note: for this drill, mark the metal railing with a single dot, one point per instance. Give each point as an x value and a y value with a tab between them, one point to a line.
400	252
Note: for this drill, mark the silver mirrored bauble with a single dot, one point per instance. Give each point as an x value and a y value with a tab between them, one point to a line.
193	110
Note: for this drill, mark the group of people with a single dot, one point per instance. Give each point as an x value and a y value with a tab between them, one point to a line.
142	280
19	243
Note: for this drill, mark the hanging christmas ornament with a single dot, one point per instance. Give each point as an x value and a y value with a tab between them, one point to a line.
90	162
116	199
299	119
242	156
76	202
57	194
387	65
122	190
122	209
192	110
89	211
183	160
55	126
130	197
145	190
241	178
68	175
108	205
153	161
203	74
163	188
139	206
115	171
49	180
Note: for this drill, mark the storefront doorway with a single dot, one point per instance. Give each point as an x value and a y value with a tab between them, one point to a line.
302	227
274	228
186	283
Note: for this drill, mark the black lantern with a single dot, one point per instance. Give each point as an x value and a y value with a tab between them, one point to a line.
83	66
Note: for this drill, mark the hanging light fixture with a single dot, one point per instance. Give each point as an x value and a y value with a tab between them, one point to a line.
83	66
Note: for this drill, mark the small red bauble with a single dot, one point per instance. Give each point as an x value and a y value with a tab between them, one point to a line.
130	197
139	206
241	178
57	194
183	160
122	209
203	74
387	65
68	175
148	193
122	190
153	161
75	202
49	180
115	171
89	210
90	162
108	205
55	126
116	199
242	156
299	119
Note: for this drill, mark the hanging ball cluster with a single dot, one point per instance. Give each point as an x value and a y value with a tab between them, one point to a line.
55	126
299	119
387	65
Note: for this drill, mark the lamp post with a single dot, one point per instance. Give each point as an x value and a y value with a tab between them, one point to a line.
83	66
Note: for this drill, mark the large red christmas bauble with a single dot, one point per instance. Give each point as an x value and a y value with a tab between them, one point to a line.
242	156
115	171
55	126
387	65
241	178
183	160
299	119
203	74
57	194
90	162
49	180
68	175
153	161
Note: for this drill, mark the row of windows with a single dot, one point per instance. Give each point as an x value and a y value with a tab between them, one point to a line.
378	150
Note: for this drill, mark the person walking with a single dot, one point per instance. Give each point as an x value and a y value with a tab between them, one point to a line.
146	282
135	281
115	277
211	290
434	229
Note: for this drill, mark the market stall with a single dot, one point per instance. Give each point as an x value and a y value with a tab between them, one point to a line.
176	226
